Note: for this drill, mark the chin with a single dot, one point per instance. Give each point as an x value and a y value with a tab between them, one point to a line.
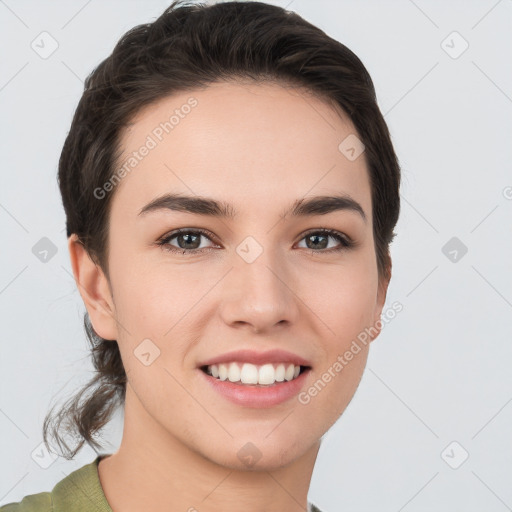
259	454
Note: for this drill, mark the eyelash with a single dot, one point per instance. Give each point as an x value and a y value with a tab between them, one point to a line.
345	242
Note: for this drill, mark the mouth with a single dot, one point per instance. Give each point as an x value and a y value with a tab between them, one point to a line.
256	379
256	386
248	374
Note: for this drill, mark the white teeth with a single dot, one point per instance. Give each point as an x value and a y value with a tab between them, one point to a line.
266	374
280	371
223	371
234	372
248	373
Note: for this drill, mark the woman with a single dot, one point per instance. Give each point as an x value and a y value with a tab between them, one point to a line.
231	191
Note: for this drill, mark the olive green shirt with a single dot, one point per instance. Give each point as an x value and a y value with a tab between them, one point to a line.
80	491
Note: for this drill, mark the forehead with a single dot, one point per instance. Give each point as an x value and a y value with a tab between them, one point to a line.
246	143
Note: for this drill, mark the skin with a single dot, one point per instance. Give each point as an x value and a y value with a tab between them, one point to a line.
259	147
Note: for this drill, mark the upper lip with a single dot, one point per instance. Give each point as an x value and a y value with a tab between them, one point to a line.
258	358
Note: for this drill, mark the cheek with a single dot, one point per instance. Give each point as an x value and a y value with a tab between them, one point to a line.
165	304
350	310
150	295
347	309
342	297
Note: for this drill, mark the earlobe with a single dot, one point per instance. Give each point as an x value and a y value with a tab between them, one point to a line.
94	290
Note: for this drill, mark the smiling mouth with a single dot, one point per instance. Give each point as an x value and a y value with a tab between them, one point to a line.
247	374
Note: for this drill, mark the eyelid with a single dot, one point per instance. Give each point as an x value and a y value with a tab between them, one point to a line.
345	241
328	232
163	240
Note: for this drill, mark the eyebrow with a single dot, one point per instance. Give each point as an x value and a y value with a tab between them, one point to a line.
317	205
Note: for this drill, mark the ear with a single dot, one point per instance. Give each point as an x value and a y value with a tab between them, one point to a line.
94	290
380	301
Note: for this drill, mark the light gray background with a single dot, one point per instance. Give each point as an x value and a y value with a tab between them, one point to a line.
440	371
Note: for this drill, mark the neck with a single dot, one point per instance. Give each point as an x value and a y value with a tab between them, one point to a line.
154	470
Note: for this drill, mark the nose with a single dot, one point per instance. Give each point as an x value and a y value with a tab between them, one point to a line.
259	296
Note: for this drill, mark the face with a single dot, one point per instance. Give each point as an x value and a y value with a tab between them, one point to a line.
270	280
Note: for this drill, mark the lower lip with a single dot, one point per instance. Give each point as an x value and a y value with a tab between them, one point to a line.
257	396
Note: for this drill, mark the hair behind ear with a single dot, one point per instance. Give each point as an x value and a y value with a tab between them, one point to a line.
88	411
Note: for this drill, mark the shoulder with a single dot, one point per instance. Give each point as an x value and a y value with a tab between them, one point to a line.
80	490
41	502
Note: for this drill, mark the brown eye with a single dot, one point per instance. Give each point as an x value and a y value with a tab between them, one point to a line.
189	241
318	241
185	241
